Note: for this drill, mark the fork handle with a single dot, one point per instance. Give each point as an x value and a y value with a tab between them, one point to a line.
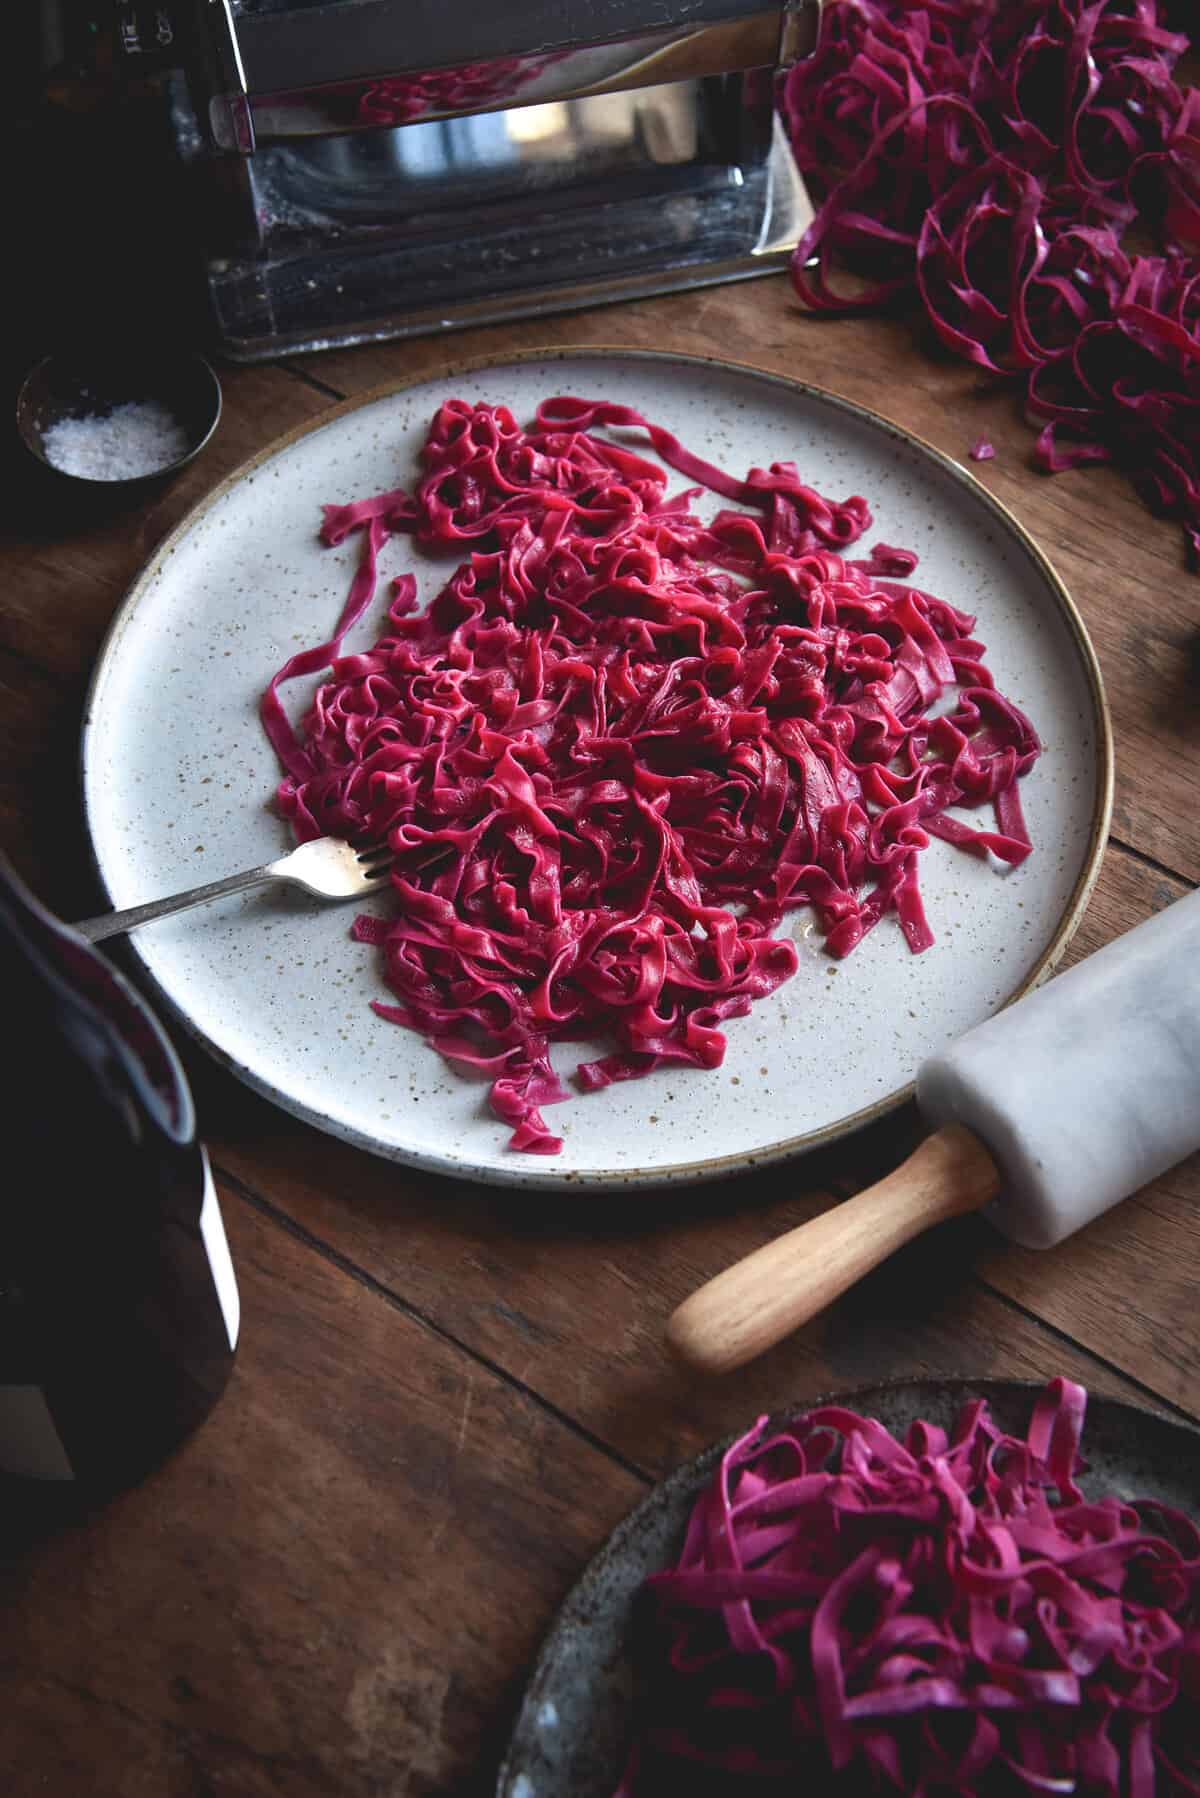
112	923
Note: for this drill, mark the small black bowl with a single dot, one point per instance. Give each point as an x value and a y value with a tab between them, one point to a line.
84	384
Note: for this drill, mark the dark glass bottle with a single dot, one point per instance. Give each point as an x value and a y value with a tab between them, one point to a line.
118	1304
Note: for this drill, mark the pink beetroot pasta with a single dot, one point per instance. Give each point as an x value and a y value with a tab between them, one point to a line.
622	743
1026	173
946	1616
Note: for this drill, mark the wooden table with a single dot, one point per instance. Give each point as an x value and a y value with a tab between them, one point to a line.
446	1396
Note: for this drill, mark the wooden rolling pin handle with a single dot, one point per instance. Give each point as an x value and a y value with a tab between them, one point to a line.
761	1299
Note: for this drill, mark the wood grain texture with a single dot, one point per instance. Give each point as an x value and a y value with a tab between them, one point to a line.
447	1395
575	1305
68	560
777	1289
1126	1285
65	567
572	1294
337	1585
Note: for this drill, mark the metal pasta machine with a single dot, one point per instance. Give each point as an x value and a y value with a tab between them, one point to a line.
363	169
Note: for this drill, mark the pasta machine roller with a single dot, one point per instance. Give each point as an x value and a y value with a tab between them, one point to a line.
360	169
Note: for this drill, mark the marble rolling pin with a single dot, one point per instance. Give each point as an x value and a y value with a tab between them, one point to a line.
1044	1116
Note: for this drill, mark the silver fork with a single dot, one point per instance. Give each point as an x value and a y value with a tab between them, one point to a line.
327	867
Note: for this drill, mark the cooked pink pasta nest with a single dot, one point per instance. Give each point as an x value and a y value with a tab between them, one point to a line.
947	1616
623	742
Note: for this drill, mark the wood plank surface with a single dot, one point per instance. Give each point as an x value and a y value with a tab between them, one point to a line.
68	563
66	569
1125	1285
336	1587
571	1292
447	1394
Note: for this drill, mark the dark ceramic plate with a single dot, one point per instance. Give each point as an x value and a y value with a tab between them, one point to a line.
572	1734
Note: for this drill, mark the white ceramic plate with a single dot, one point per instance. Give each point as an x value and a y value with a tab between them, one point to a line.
178	779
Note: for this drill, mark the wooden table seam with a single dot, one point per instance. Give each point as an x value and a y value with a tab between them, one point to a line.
1151	1393
311	380
380	1289
232	1183
1150	861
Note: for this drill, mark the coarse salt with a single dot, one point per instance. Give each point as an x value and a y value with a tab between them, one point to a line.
135	439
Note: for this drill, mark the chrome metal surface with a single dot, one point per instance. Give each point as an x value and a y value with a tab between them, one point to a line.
435	226
378	168
326	867
339	40
410	85
232	108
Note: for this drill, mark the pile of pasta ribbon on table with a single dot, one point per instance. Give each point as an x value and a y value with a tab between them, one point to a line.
997	161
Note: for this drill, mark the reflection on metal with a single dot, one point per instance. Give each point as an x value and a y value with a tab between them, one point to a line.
395	166
416	90
787	210
539	124
292	48
801	28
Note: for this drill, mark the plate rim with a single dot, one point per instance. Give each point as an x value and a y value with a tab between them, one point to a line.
692	1473
542	1177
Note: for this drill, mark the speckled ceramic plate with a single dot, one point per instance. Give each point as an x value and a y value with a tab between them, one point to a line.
178	776
573	1731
